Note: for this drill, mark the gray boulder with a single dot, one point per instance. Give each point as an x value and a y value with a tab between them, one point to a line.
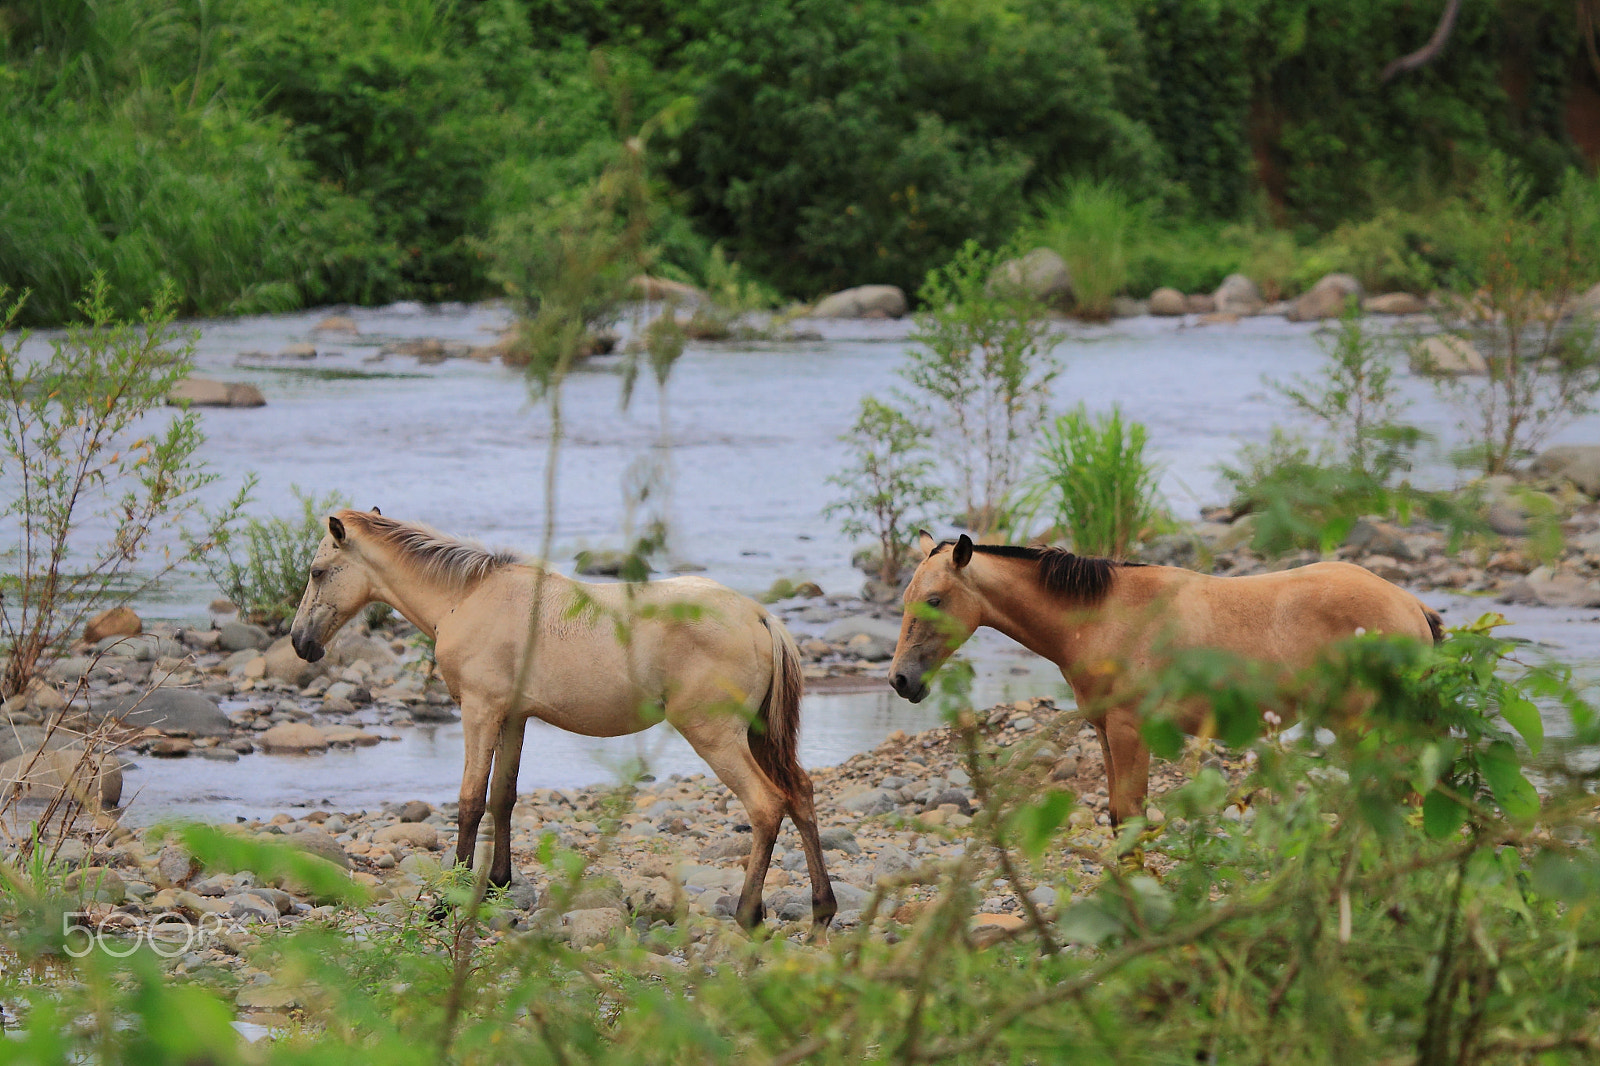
242	636
1394	303
1446	353
1326	299
1238	295
171	710
863	301
1578	463
1168	302
881	635
1041	275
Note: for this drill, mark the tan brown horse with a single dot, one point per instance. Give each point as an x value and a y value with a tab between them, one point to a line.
1107	625
714	663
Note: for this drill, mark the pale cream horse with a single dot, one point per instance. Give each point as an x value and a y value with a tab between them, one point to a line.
714	663
1109	625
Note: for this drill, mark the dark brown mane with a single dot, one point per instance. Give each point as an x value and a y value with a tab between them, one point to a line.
431	551
1081	578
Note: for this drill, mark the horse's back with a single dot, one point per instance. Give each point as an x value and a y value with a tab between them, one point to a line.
1308	607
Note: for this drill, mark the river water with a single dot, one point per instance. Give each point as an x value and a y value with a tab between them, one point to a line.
755	431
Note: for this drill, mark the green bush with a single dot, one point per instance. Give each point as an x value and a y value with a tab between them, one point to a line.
1094	482
890	488
262	567
1093	225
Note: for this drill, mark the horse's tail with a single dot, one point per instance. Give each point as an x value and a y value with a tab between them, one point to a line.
775	743
1435	623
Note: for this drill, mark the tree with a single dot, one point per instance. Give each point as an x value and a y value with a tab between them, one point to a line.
889	485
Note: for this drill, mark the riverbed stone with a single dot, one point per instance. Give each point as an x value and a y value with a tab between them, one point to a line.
293	738
1167	302
171	710
203	392
1328	298
1200	303
415	811
863	301
411	834
1371	536
337	324
1578	463
595	925
283	664
1040	275
1394	303
116	622
881	636
320	844
176	867
85	776
99	883
1447	354
1238	295
239	636
18	740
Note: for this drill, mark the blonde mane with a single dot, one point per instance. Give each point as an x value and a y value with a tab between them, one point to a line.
436	555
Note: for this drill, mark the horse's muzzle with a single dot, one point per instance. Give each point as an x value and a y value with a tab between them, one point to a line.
908	689
308	648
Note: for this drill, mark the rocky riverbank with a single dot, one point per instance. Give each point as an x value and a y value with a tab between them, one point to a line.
669	851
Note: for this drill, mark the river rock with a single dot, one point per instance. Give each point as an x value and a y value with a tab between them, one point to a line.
171	710
98	883
663	289
891	862
292	738
415	811
242	636
1394	303
1326	299
176	867
1372	537
1578	463
882	636
18	740
86	777
1167	302
596	925
863	301
411	834
203	392
1238	295
286	666
352	646
250	907
299	350
653	899
1041	275
1549	588
1127	307
840	839
316	842
1445	353
1199	303
117	622
337	324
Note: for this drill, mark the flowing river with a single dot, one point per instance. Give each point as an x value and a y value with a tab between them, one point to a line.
754	430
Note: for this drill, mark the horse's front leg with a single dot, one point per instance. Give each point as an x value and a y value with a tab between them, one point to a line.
480	728
1127	763
503	797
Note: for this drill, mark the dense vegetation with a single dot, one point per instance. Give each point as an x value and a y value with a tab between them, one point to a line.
275	154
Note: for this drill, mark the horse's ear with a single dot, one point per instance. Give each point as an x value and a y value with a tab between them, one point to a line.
336	529
963	552
925	542
377	512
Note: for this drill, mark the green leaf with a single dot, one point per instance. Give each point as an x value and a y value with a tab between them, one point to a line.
1442	815
1163	737
1524	717
1502	769
1038	822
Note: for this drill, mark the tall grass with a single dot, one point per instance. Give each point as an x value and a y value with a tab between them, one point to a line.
1092	225
1094	481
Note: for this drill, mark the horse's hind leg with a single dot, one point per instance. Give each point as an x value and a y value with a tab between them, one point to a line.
718	735
803	810
503	797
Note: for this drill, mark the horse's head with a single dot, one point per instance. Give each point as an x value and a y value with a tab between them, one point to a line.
339	586
942	610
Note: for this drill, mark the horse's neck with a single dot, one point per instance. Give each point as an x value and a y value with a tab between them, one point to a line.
422	598
1017	605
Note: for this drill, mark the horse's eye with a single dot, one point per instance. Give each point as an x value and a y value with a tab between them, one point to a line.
318	573
933	601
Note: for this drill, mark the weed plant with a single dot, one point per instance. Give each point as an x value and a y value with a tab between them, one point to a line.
1094	482
889	488
261	567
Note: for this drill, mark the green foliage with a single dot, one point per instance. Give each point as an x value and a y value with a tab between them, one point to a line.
266	582
1521	267
1093	480
979	375
1309	495
1093	226
889	485
84	447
